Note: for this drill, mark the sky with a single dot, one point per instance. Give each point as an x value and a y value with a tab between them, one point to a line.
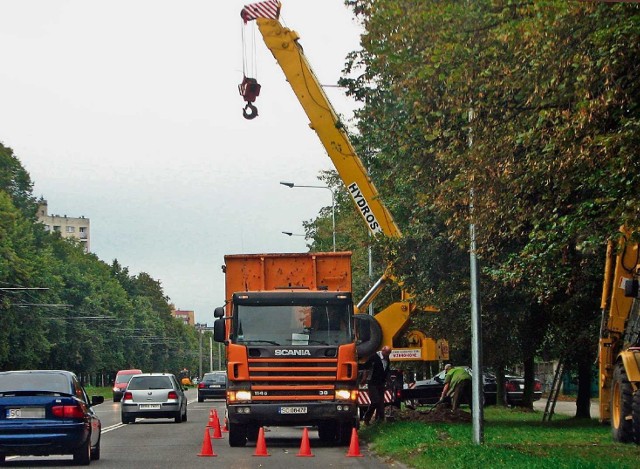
127	112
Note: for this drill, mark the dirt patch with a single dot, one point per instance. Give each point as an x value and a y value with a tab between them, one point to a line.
440	413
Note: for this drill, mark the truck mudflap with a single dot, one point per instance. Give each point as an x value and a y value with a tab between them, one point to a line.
291	413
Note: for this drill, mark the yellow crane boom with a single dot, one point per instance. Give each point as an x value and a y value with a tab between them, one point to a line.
284	45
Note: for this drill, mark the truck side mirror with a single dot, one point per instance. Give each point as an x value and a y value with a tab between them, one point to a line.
218	312
219	330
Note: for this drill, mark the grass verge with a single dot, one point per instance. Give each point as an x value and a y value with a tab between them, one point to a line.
513	438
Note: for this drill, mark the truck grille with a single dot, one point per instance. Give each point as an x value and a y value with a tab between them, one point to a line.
292	378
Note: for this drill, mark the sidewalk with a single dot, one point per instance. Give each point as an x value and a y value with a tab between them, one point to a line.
568	407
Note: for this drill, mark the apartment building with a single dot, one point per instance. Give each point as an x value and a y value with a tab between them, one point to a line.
188	317
68	227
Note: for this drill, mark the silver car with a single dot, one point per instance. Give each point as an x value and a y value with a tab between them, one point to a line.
154	395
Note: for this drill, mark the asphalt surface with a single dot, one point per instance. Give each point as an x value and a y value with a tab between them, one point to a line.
568	407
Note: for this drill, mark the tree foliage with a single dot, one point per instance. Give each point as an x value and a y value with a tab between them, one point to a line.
61	307
525	111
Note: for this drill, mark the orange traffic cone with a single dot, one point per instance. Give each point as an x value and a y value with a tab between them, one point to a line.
305	449
354	447
225	429
207	449
210	423
216	427
261	445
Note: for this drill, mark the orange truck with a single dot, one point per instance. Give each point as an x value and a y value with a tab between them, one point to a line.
292	344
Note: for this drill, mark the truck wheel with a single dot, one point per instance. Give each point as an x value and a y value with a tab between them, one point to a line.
344	433
621	406
636	417
327	432
252	432
237	435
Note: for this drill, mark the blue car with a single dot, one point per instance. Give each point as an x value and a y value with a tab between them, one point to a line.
47	412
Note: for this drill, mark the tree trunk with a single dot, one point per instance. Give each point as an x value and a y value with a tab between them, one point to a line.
500	400
529	370
583	401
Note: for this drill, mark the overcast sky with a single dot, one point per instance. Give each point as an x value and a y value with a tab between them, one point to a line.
127	112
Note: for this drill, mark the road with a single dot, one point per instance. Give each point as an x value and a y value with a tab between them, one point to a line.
568	407
161	443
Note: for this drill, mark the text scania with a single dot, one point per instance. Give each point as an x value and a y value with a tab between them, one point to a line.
293	352
362	204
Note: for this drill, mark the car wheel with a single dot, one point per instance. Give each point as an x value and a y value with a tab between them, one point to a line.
95	452
82	456
116	399
200	399
178	417
237	435
184	417
127	420
3	457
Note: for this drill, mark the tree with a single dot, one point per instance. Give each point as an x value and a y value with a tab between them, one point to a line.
553	88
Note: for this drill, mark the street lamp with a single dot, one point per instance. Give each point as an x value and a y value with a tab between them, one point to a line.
289	233
291	185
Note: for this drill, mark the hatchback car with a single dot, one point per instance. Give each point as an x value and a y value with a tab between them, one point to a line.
47	412
212	386
154	395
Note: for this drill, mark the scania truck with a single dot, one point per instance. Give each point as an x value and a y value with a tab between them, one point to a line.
292	344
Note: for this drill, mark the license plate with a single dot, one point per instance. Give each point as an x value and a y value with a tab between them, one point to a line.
149	406
293	410
214	386
26	413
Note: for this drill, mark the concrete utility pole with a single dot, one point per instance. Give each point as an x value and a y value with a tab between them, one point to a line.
476	325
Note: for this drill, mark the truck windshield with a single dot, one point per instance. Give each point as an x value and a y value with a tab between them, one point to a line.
292	325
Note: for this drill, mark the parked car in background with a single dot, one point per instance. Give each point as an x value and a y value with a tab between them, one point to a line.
428	391
212	386
121	381
47	412
154	395
514	389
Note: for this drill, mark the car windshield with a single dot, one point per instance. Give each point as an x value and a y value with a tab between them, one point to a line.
292	325
216	378
42	382
150	382
123	378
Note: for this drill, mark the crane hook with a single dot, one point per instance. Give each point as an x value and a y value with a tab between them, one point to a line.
250	111
249	89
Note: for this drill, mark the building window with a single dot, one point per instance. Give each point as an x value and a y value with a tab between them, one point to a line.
56	227
83	229
47	227
71	229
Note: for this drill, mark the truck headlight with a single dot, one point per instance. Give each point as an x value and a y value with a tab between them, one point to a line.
344	395
240	396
